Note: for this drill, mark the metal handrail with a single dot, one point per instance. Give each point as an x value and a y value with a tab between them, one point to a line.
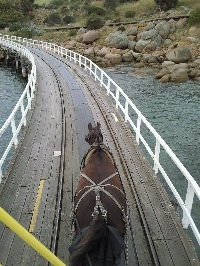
27	95
115	92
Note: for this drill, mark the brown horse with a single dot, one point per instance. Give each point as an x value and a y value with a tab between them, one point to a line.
99	207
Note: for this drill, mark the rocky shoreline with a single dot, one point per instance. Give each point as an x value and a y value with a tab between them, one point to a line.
151	43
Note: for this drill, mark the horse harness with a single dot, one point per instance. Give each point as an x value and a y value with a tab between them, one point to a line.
97	188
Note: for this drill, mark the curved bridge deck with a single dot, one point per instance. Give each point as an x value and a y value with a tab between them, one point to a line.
68	99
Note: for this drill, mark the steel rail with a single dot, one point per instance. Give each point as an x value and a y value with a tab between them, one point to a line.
61	175
59	197
135	194
130	182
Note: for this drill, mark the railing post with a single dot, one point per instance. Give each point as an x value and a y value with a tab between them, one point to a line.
126	111
14	131
117	97
28	98
156	156
22	111
80	61
101	81
138	129
188	204
108	87
90	67
95	73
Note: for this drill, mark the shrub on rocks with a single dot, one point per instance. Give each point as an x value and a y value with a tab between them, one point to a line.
121	28
97	10
194	17
68	19
165	5
130	14
53	18
94	22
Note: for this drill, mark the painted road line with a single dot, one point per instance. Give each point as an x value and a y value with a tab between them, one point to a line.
36	207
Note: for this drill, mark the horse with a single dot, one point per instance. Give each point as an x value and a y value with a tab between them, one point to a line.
99	208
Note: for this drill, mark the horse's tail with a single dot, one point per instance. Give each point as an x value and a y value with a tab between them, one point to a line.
89	241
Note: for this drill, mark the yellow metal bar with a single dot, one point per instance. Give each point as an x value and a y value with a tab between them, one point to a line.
29	238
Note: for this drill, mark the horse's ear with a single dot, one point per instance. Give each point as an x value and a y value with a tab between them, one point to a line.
90	127
98	125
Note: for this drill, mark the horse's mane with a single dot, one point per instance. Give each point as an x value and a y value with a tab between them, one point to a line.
89	241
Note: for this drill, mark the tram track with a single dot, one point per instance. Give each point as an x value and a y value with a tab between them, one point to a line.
119	140
129	180
127	174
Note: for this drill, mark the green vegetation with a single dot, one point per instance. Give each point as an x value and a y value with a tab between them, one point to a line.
110	4
194	18
67	19
166	4
72	32
122	28
25	31
97	10
14	11
94	22
11	11
53	18
55	4
129	14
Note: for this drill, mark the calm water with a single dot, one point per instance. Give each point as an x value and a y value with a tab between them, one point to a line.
11	87
174	111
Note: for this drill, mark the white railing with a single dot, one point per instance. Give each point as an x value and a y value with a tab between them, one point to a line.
126	106
24	103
